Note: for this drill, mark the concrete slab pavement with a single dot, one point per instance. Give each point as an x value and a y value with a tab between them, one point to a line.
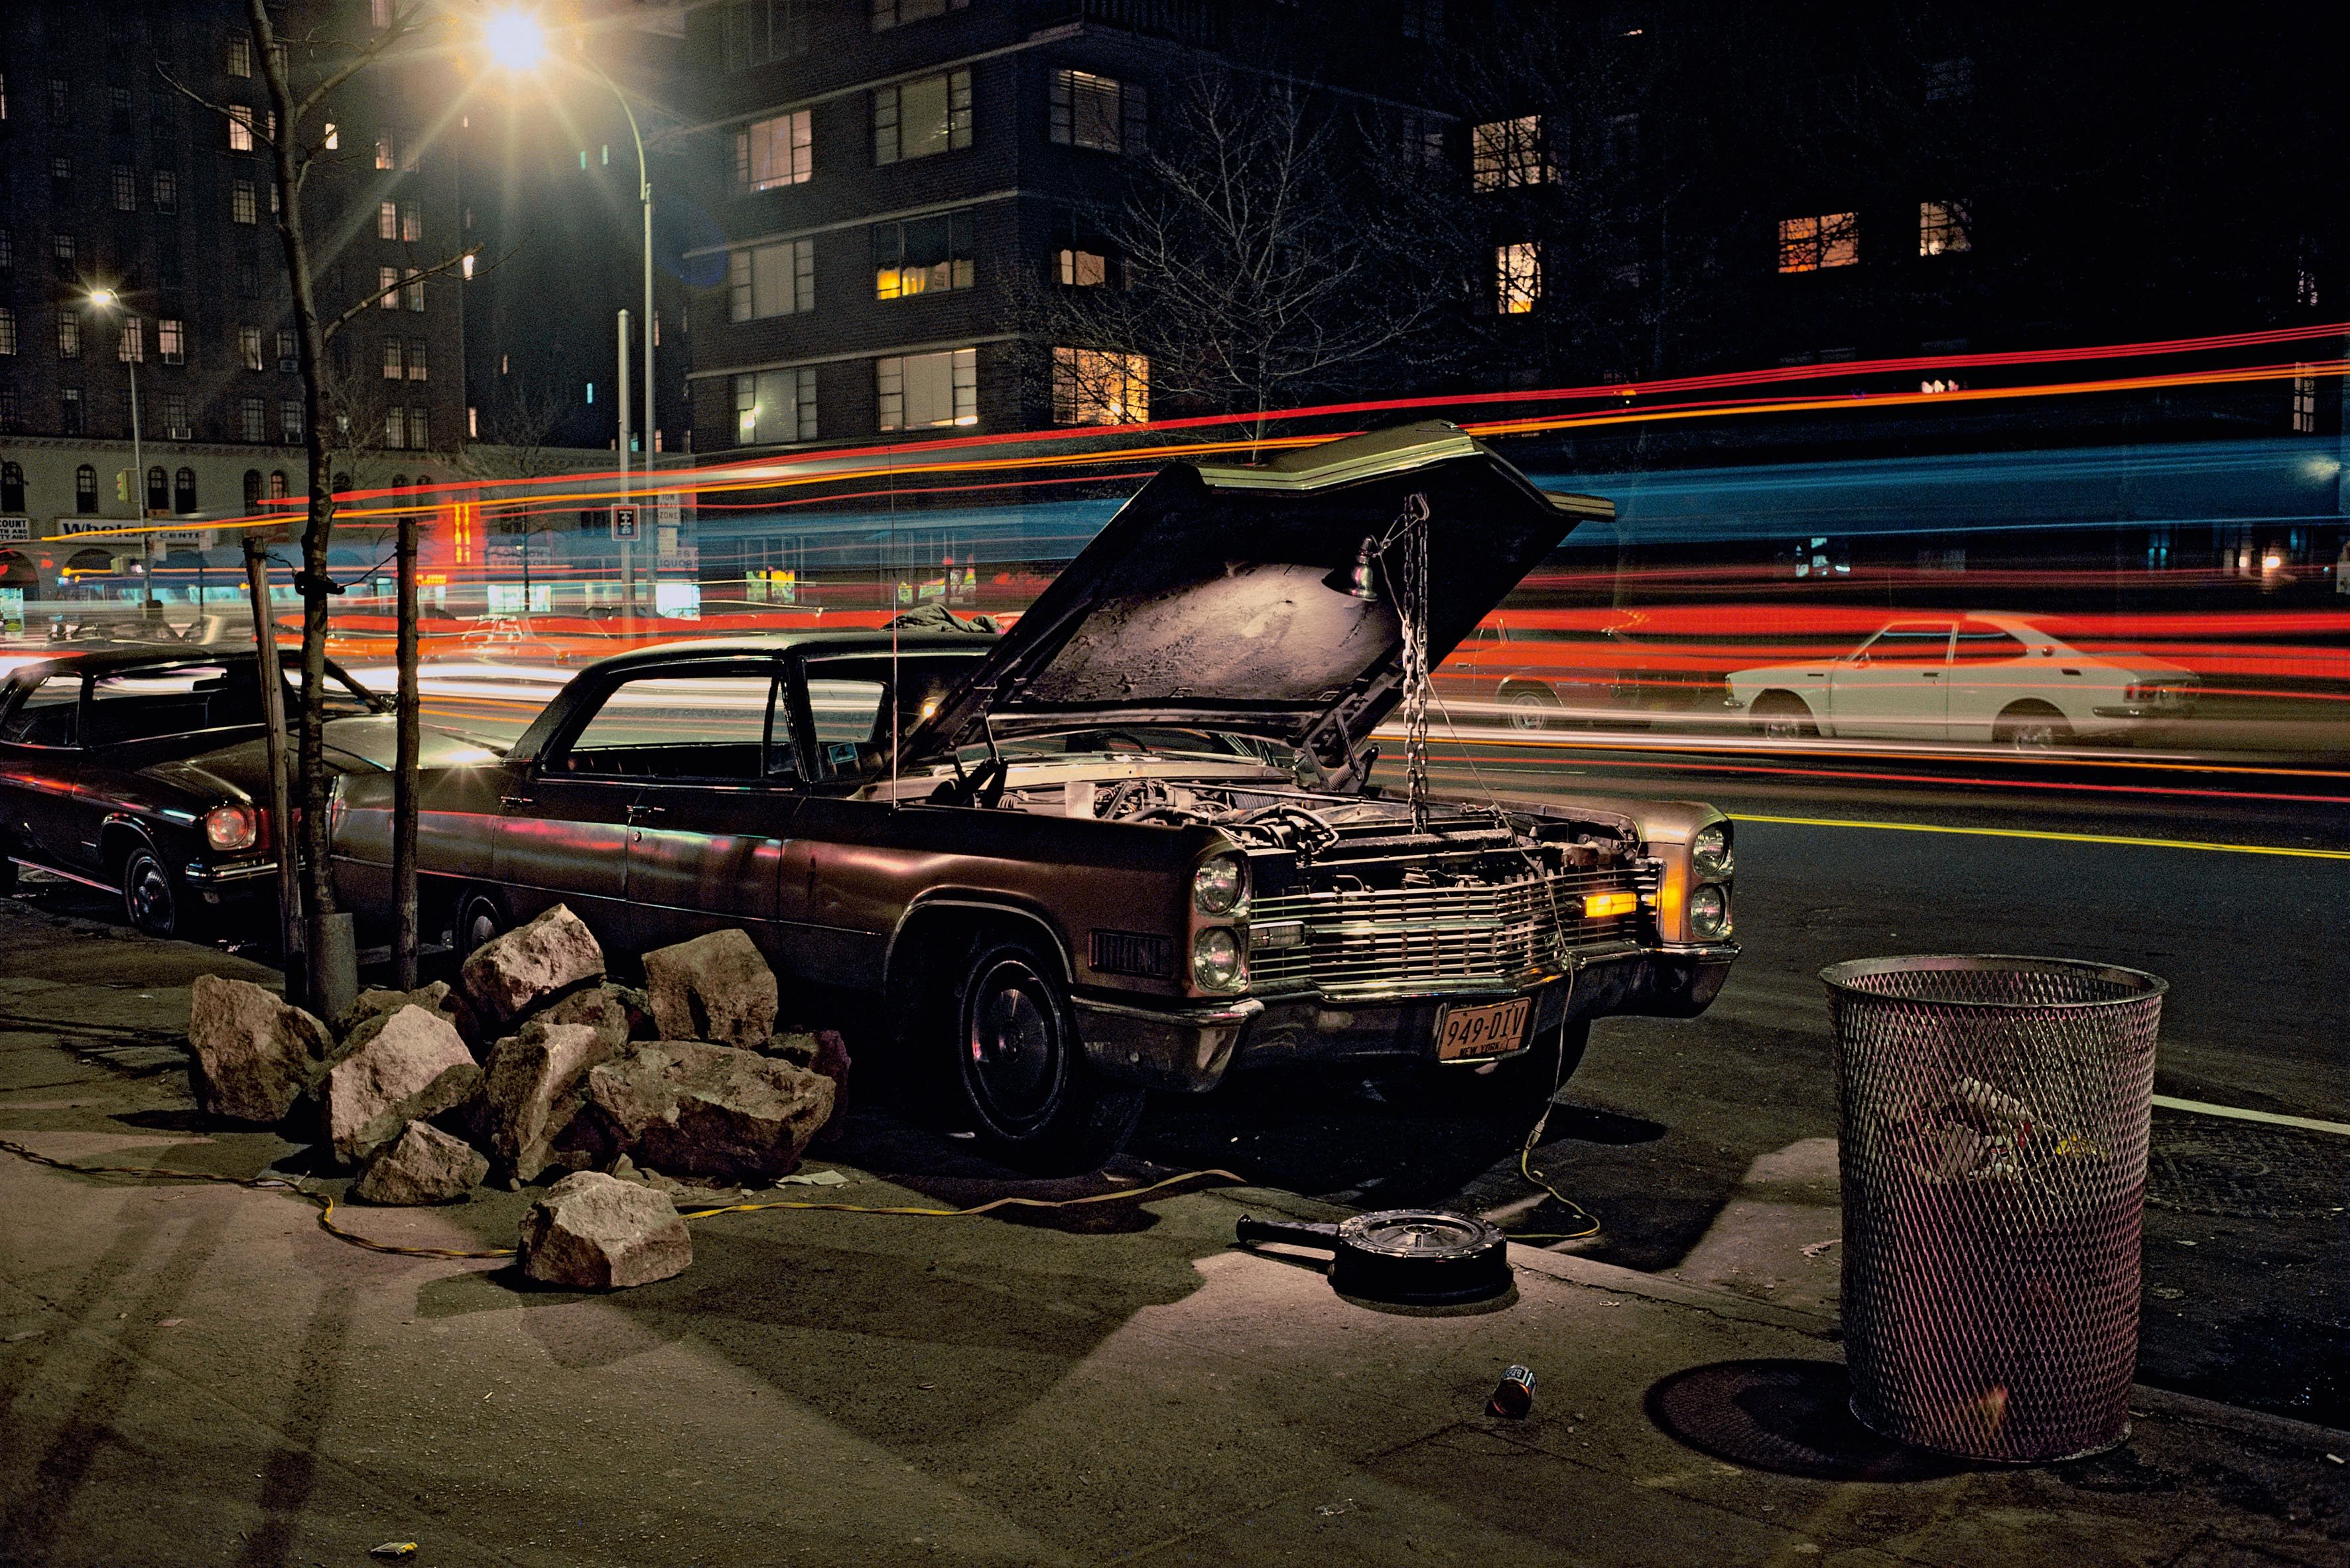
197	1373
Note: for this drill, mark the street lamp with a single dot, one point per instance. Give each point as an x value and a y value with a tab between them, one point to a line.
108	302
515	40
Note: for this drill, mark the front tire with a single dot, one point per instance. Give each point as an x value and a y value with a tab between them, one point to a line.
480	918
154	903
1019	1074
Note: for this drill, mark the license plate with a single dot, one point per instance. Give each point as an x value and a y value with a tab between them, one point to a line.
1493	1030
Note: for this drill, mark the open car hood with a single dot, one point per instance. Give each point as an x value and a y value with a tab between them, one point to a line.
1219	597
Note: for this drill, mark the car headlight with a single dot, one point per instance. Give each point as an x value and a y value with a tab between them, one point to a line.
1216	960
1711	849
1219	885
1709	912
231	828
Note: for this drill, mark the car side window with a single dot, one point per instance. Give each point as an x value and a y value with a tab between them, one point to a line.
708	728
1911	642
47	715
169	700
1987	645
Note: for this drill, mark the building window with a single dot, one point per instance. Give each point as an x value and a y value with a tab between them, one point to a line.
117	118
167	190
922	255
916	118
1421	140
61	252
416	437
333	138
11	487
7	330
131	346
387	283
1807	244
241	205
84	488
1950	81
889	14
240	128
385	150
1944	228
395	428
2304	401
416	360
1099	112
69	334
289	352
1506	153
414	289
252	488
393	370
248	346
412	222
1079	268
774	151
70	411
289	419
1517	278
240	55
925	391
380	12
184	491
387	220
775	406
61	178
758	31
771	280
176	416
277	485
126	188
1094	387
159	489
253	420
7	254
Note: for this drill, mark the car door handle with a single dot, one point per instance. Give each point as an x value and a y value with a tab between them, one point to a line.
1931	674
639	811
513	802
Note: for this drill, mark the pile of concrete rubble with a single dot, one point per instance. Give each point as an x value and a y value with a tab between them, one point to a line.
534	1063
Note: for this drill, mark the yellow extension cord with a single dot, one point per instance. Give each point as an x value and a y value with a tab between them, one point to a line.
326	1202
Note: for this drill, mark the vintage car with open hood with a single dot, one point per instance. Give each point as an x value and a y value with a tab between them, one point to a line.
1131	844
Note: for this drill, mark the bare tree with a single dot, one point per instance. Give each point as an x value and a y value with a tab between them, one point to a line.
297	136
1271	249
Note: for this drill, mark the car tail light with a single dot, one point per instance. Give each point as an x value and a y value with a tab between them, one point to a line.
232	827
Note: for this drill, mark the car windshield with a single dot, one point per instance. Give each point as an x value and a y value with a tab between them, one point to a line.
1140	739
150	701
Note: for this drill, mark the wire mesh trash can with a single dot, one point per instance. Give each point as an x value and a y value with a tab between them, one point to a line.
1994	1114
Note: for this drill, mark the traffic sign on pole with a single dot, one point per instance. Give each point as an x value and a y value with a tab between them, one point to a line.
624	523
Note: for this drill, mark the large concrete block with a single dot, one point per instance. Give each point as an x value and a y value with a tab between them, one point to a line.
425	1166
508	976
413	1068
593	1231
691	1109
252	1054
533	1086
716	988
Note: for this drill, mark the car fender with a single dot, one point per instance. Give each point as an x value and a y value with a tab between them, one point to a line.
977	903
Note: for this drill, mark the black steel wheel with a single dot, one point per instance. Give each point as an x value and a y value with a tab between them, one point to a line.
480	918
1020	1074
153	900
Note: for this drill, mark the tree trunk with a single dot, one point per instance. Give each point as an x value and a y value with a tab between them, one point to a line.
403	794
317	889
273	711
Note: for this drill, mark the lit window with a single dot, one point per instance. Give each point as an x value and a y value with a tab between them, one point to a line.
1099	112
241	206
240	56
393	369
465	266
387	220
1506	153
7	330
387	283
416	360
334	139
248	346
414	289
395	428
131	346
2304	401
922	256
1943	228
888	14
925	391
384	150
277	485
1094	387
775	406
69	334
170	341
771	280
1517	278
289	420
412	222
916	118
1081	269
1807	244
175	421
240	128
773	152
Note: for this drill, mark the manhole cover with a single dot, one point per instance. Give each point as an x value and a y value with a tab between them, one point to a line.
2244	1170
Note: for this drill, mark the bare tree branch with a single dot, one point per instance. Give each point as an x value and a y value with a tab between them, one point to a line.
447	264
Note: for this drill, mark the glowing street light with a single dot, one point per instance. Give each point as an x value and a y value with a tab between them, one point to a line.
514	40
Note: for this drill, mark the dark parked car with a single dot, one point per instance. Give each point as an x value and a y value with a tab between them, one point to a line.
143	770
1130	844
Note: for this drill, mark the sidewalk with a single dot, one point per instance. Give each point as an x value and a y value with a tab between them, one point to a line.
196	1373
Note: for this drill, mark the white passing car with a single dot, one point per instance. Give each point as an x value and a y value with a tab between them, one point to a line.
1998	678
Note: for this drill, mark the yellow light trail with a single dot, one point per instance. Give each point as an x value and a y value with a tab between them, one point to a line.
2035	833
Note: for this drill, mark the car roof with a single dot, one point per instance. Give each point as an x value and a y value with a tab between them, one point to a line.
877	640
114	655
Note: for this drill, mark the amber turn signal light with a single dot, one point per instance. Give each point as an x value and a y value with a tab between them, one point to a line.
1601	906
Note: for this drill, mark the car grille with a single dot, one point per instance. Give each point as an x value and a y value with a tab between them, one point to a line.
1406	940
